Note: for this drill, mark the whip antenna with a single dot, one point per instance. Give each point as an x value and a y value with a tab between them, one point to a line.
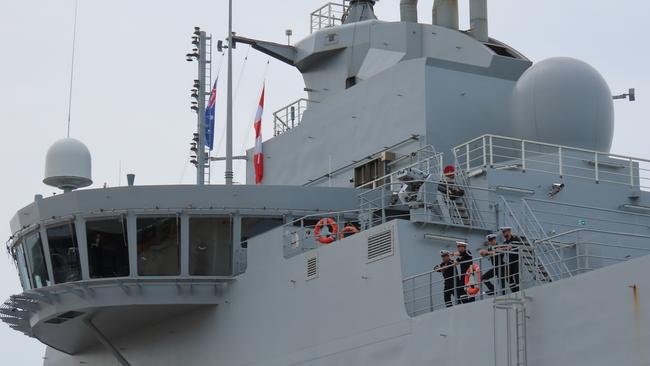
74	41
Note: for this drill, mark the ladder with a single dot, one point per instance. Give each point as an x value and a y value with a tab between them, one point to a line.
472	213
516	351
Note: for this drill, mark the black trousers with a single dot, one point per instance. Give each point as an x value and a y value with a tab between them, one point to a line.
449	292
497	272
455	289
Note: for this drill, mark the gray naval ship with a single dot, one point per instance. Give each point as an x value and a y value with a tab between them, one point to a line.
416	144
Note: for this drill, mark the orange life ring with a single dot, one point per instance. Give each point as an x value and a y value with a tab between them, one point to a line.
348	230
329	238
473	280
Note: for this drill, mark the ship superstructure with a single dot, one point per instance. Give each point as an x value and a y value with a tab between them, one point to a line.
412	138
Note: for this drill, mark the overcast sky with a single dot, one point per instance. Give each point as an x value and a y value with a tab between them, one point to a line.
131	86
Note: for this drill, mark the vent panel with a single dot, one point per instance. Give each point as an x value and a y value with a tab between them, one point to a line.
380	246
312	267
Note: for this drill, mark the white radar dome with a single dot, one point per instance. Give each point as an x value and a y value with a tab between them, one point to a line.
564	101
68	165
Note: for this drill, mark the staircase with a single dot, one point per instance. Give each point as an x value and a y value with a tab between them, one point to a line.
468	210
536	260
546	249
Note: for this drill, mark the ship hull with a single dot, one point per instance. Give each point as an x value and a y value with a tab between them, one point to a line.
353	313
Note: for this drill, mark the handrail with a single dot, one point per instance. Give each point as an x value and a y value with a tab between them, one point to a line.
424	293
473	260
448	211
636	214
321	214
523	230
412	138
434	156
528	212
289	116
550	145
600	232
492	150
328	15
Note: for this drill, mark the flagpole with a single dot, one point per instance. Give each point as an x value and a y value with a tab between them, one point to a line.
229	172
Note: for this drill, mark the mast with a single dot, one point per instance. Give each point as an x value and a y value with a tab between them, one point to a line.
229	172
200	155
200	91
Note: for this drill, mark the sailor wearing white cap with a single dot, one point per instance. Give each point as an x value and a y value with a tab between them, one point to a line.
512	244
464	259
498	262
448	270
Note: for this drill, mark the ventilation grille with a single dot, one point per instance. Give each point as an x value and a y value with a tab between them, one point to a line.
380	246
312	267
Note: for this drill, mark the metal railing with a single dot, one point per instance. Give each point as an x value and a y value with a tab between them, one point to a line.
421	200
308	232
289	116
583	250
430	203
563	216
509	153
430	291
425	159
329	15
549	265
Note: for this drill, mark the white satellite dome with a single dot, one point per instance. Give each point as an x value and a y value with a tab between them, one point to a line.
564	101
68	165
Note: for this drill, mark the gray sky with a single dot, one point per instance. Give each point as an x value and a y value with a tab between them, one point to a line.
131	90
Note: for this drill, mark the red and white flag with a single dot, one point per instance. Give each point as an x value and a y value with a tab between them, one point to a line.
258	157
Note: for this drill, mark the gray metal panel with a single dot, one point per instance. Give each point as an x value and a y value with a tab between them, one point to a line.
164	199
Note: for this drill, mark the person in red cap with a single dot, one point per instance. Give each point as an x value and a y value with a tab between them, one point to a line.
453	193
448	185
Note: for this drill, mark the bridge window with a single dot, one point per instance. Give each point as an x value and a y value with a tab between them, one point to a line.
21	263
36	261
64	253
253	226
210	246
158	246
108	250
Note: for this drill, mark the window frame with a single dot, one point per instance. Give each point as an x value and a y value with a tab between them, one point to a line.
124	220
72	224
18	253
179	238
231	218
46	263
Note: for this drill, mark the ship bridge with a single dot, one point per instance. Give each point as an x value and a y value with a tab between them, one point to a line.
98	264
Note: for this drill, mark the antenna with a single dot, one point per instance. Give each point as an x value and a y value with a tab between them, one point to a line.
630	95
288	33
74	42
231	44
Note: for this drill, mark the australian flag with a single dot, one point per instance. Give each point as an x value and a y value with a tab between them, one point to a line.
209	117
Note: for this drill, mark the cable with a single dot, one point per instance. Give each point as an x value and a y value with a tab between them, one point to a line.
74	42
241	73
180	181
248	130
